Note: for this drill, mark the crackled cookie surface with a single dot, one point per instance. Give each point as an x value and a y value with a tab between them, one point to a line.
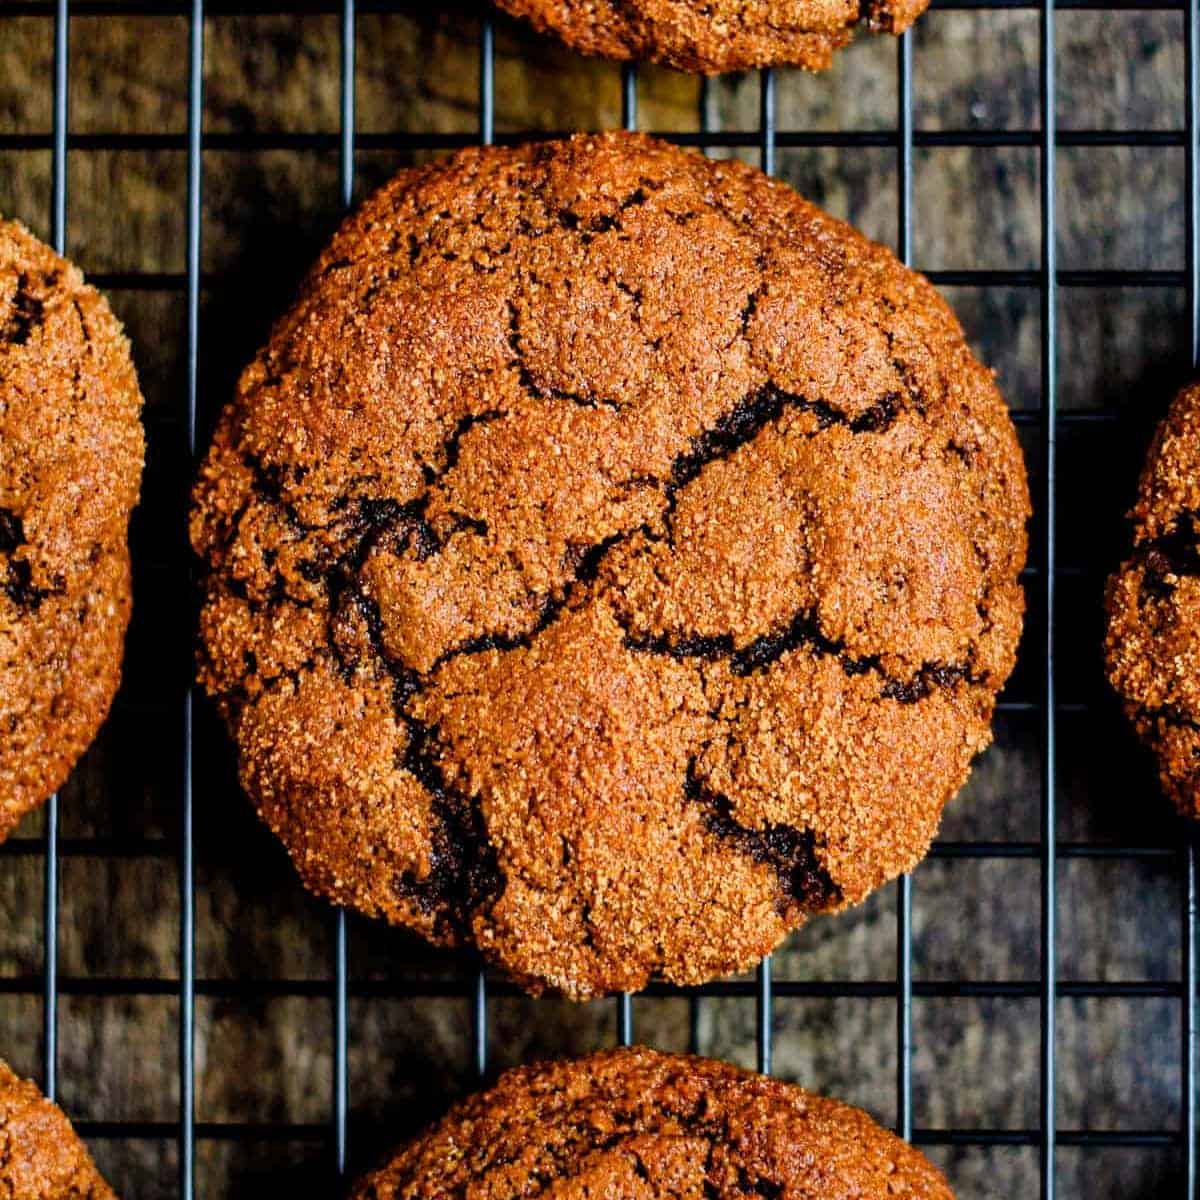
70	468
40	1156
610	559
722	35
635	1123
1153	643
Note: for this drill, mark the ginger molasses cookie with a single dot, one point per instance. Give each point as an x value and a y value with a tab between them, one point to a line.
40	1156
609	560
725	35
70	469
638	1123
1153	645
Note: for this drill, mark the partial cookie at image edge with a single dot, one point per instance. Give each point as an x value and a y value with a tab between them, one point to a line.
636	1122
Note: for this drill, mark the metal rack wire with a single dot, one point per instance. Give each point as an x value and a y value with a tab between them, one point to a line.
1048	420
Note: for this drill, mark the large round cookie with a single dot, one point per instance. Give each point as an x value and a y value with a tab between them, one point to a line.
634	1123
1153	645
40	1156
70	468
610	559
723	35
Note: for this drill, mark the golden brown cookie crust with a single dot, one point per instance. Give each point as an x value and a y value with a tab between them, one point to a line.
41	1158
639	1124
1152	648
721	35
610	559
70	467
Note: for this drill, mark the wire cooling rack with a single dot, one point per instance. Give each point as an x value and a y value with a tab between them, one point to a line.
1045	423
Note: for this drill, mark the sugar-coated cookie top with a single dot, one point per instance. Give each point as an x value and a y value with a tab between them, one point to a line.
710	36
610	559
1153	643
40	1156
70	468
639	1124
